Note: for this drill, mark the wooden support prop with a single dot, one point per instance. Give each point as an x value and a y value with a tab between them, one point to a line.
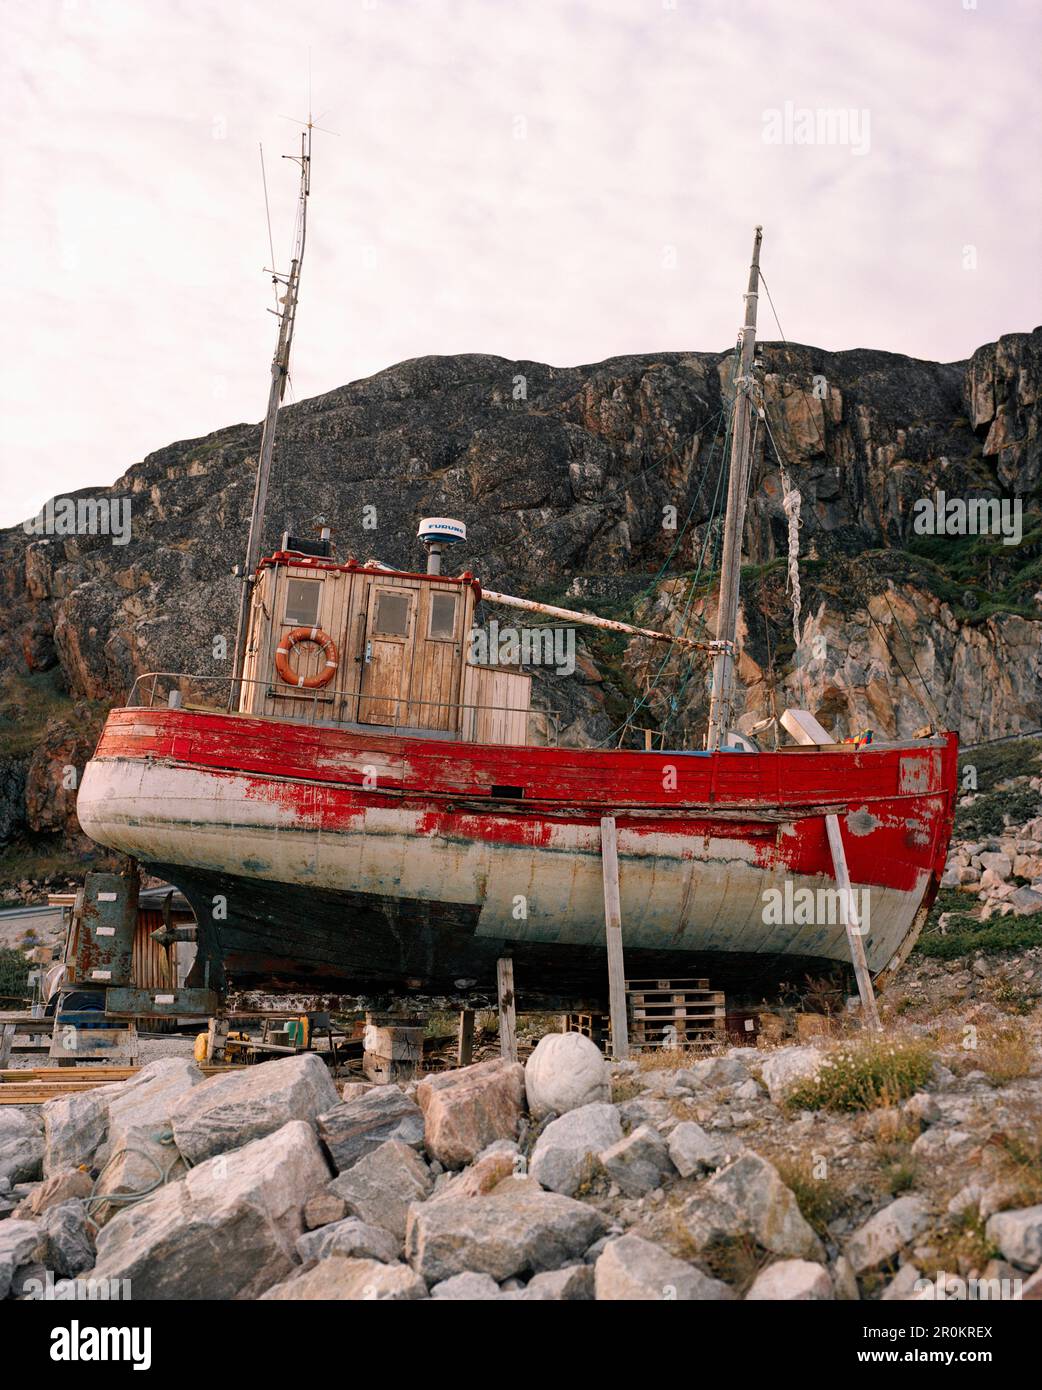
507	1009
852	924
465	1042
805	729
6	1040
620	1043
216	1037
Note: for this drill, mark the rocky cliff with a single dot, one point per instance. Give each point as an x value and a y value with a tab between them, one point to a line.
598	485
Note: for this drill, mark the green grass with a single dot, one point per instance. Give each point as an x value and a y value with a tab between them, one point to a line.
820	1200
26	705
988	814
864	1075
14	976
986	938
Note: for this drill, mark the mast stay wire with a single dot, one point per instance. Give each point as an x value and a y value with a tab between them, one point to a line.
642	700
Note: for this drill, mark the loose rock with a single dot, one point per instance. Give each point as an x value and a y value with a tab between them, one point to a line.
70	1243
338	1280
75	1127
749	1198
380	1187
693	1151
788	1067
351	1238
573	1284
21	1144
566	1152
791	1281
227	1229
471	1287
515	1229
884	1235
466	1110
226	1112
20	1243
62	1187
639	1163
364	1122
565	1071
632	1268
1018	1234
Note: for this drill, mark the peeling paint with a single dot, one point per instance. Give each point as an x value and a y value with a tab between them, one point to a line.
279	804
862	821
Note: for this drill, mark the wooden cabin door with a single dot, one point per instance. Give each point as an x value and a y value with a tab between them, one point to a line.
387	656
438	665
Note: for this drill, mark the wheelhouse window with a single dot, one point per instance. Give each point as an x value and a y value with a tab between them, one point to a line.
443	617
392	614
302	600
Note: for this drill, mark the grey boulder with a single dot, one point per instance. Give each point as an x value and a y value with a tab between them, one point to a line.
516	1229
360	1125
634	1269
226	1112
380	1187
639	1163
21	1144
352	1238
566	1153
228	1229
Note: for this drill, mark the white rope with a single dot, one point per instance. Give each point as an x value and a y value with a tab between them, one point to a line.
791	501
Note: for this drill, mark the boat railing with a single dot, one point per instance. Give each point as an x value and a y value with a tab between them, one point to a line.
466	720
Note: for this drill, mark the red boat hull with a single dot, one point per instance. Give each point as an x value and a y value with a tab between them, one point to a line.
347	859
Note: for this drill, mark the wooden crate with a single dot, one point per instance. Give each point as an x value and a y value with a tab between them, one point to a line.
674	1013
595	1026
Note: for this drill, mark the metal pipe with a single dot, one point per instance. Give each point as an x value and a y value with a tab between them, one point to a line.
591	620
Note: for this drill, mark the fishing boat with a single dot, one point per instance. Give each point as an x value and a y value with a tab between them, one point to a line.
364	805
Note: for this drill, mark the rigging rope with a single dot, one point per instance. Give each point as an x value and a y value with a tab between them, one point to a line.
792	501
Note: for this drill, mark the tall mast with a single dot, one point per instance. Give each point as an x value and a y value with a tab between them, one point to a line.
721	706
279	376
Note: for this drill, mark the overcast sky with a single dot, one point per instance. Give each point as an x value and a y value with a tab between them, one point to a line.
560	180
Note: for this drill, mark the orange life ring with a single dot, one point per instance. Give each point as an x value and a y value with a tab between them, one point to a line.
306	634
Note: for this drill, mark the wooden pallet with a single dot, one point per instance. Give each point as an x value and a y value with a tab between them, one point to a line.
675	1013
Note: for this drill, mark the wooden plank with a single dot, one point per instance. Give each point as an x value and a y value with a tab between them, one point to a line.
465	1039
620	1046
507	1009
850	921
